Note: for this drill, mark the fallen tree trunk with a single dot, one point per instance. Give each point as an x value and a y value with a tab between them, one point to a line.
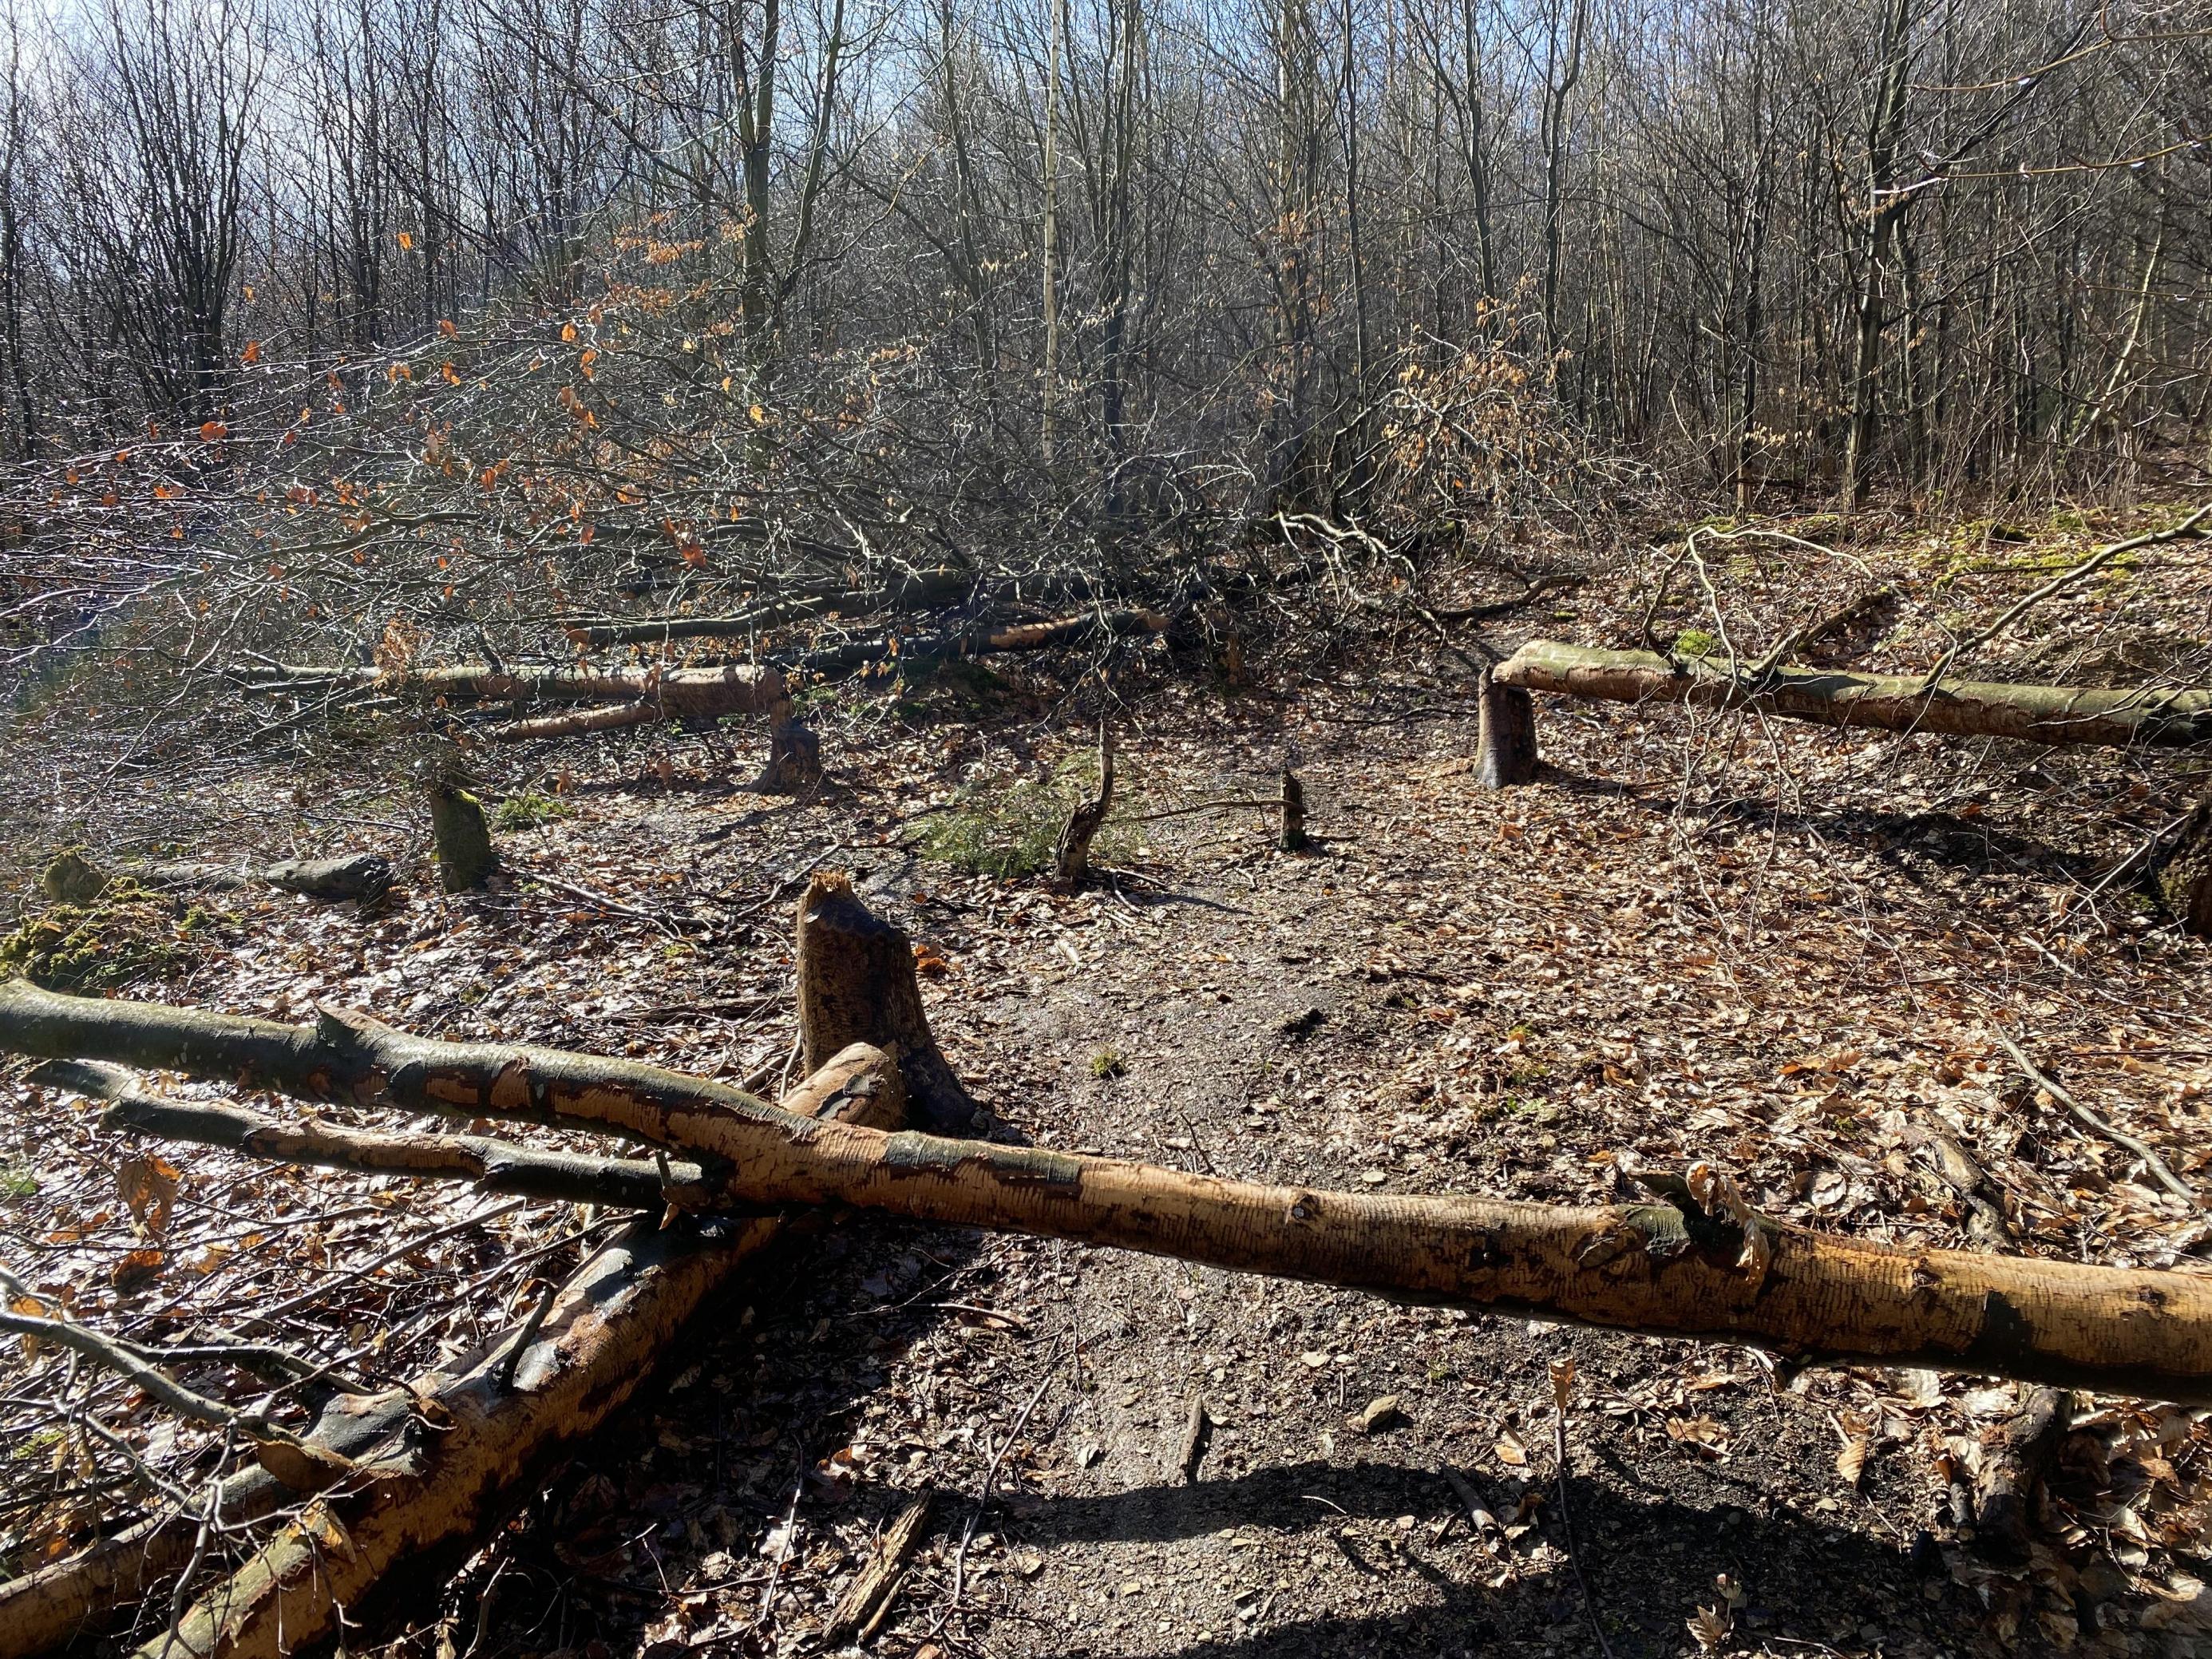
1661	1269
693	693
2033	714
73	879
983	639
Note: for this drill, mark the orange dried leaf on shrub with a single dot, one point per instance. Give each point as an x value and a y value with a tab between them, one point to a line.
252	354
136	1267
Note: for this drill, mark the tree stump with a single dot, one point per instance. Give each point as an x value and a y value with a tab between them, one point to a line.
1505	745
1071	858
794	758
2182	876
857	984
462	837
1293	839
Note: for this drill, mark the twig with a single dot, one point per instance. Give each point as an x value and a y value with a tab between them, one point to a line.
783	1550
983	1498
104	1351
1562	1379
2157	1165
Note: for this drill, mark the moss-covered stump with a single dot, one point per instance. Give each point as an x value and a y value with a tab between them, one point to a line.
460	836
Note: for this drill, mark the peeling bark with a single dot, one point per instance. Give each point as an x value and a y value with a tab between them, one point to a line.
692	693
2033	714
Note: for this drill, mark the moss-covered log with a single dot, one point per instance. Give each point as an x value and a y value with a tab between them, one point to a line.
2033	714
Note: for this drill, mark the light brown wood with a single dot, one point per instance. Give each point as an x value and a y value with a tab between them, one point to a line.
2034	713
867	1596
1652	1267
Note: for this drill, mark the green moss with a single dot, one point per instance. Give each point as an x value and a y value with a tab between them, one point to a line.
1695	642
125	936
16	1183
527	810
1106	1064
1007	829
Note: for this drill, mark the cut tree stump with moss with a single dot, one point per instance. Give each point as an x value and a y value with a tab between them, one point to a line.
461	834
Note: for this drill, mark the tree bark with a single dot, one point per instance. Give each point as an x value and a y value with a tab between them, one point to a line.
987	640
2182	875
2033	714
1655	1268
1505	742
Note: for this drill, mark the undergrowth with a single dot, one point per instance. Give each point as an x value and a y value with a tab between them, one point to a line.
1007	827
124	936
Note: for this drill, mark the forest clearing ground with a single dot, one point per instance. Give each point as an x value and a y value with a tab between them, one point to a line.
1789	965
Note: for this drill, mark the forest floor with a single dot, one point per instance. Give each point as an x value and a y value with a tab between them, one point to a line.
1779	949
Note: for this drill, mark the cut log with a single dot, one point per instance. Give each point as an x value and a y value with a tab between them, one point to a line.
612	718
1505	736
491	1165
461	834
1662	1268
2181	875
1071	855
368	877
691	693
2033	713
857	984
502	1420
